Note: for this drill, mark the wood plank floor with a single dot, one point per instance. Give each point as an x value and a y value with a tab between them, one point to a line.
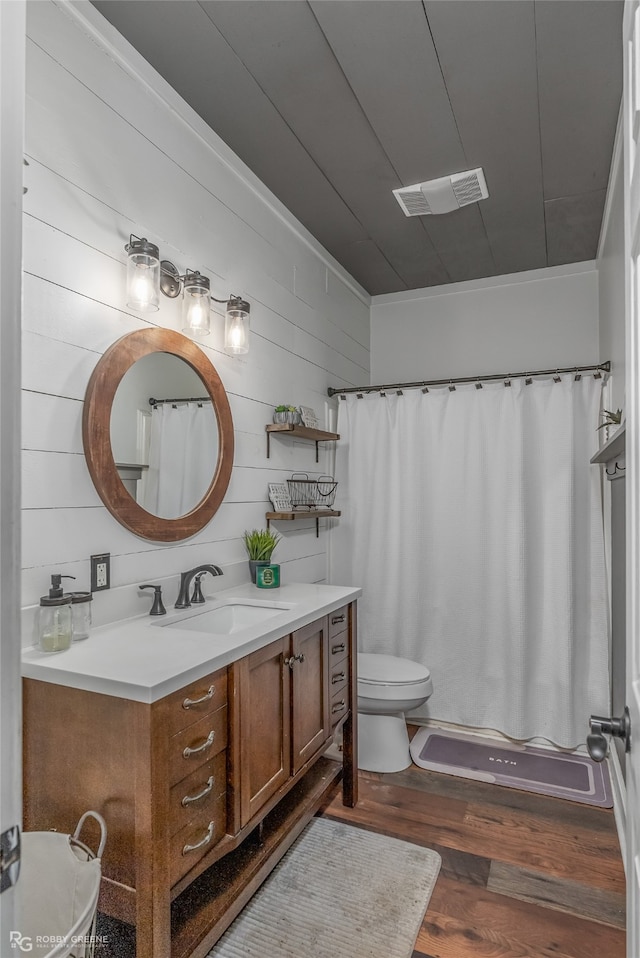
523	875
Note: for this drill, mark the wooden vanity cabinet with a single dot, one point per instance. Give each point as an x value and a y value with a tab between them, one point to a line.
204	790
284	712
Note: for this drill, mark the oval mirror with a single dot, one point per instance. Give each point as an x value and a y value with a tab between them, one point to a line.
160	467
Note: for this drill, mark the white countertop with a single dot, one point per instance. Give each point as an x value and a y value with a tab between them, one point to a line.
146	658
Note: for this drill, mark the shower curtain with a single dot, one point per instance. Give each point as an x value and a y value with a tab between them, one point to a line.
473	522
183	452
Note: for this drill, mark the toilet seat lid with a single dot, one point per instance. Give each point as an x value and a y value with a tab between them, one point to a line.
379	669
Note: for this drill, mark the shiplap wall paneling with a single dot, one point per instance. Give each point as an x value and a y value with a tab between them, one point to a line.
106	138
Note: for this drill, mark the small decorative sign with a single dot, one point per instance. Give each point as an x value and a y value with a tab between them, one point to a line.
280	498
309	417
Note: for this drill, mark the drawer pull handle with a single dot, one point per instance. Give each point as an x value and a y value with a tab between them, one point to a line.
338	707
293	659
195	798
205	841
189	703
338	677
337	618
338	648
191	750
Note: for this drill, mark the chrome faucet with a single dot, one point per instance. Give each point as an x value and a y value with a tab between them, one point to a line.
183	601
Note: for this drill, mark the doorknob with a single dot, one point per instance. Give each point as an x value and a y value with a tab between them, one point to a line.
597	744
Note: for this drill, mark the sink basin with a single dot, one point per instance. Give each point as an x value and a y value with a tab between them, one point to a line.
229	618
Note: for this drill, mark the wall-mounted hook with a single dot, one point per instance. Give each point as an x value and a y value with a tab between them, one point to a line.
616	469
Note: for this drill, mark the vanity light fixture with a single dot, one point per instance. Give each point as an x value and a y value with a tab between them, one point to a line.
196	304
236	325
148	276
143	274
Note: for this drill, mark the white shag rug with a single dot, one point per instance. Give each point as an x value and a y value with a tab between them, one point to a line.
338	891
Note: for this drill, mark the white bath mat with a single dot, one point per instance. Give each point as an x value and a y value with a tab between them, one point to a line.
339	892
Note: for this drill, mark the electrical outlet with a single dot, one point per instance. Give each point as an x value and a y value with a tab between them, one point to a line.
100	572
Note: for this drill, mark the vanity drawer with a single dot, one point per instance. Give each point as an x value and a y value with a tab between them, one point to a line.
338	707
338	621
185	707
198	792
198	743
338	676
192	842
338	648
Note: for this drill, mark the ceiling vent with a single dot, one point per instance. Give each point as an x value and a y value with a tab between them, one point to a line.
444	194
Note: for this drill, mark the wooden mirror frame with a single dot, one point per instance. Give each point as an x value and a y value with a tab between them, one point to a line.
96	433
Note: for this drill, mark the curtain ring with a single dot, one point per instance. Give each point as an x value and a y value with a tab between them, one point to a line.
399	392
478	385
557	378
359	396
578	376
528	380
425	389
452	388
597	374
507	381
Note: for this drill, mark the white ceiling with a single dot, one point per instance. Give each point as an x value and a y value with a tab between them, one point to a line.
334	103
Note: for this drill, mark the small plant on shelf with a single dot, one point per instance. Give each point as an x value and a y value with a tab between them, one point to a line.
286	413
610	418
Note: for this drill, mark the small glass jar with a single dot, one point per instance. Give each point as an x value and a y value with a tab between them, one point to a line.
81	614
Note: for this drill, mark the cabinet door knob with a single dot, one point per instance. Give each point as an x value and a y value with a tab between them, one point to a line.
205	841
193	750
337	648
338	677
189	703
338	706
291	661
195	798
337	618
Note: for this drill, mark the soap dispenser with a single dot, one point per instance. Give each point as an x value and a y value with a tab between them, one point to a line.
54	630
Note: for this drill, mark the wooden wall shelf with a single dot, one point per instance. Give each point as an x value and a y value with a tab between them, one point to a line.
299	514
299	432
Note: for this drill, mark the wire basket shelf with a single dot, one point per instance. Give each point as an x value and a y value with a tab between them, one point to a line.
307	493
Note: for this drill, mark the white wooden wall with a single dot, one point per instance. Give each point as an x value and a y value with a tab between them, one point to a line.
539	319
114	150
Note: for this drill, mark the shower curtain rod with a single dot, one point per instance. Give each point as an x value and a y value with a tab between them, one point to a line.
158	402
602	367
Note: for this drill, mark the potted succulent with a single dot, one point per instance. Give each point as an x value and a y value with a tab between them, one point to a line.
286	413
259	544
610	419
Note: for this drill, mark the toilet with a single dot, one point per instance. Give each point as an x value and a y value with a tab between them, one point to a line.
388	687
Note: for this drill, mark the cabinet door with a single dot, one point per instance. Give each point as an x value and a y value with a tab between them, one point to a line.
265	757
310	677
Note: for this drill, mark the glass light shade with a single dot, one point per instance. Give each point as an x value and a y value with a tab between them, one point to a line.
143	275
196	305
236	327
